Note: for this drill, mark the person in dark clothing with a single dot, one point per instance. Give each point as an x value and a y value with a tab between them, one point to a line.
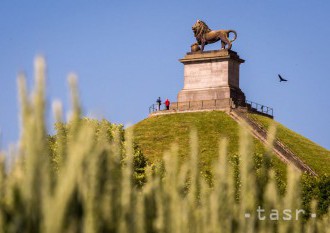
167	104
159	102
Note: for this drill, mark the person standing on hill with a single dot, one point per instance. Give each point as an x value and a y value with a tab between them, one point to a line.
159	102
167	104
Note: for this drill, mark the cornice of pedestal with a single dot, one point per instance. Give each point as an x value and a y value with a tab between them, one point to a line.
213	55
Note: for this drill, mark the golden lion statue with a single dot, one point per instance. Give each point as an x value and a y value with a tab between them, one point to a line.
204	35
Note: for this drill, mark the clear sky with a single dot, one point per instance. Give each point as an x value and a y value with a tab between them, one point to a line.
126	55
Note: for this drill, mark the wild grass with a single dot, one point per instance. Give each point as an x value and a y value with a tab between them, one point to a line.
85	182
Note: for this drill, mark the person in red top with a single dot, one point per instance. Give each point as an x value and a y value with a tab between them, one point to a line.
167	104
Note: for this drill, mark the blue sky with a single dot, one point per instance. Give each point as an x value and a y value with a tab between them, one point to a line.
126	55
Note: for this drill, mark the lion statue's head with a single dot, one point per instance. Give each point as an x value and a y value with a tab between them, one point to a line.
200	28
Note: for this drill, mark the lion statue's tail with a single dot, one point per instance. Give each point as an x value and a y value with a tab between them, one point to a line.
232	31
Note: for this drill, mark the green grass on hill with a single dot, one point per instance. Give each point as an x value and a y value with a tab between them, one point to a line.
317	157
156	134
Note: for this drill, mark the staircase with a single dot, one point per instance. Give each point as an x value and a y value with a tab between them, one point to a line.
284	153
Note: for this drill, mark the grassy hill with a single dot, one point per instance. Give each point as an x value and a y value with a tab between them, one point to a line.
155	135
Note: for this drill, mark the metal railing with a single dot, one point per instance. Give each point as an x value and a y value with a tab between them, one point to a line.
211	104
193	105
260	108
156	107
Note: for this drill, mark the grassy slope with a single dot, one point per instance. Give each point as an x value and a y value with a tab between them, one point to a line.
317	157
155	135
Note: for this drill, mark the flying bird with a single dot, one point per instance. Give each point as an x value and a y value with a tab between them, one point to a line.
282	79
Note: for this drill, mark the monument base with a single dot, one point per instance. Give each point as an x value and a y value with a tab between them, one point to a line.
211	75
218	93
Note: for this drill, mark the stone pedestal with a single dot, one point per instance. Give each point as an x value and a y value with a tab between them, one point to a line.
211	75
